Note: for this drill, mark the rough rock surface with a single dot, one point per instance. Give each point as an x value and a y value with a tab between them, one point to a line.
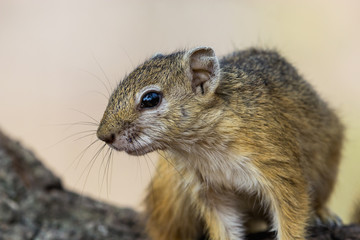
34	205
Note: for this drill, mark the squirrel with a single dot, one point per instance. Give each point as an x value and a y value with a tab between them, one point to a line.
245	142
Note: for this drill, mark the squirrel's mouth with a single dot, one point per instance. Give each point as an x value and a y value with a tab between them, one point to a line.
134	146
144	150
136	151
140	151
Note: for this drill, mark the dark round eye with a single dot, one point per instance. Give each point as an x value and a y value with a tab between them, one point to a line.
150	100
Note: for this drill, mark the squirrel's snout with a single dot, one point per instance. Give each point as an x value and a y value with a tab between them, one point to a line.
107	137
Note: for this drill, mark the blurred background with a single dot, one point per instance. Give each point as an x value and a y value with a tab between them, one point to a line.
60	59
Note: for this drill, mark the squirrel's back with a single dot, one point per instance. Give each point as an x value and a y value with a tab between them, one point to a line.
268	93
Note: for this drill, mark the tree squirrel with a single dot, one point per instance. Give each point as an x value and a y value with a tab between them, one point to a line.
245	139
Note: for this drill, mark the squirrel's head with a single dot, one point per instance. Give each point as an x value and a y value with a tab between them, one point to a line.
162	102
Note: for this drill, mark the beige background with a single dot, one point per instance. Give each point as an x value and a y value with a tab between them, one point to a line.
52	54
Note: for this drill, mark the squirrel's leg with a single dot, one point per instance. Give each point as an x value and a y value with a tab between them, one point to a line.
223	221
286	194
324	216
169	212
322	189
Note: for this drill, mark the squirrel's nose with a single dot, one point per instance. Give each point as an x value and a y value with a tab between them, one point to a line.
109	138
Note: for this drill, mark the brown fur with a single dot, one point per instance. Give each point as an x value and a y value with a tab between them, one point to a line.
243	138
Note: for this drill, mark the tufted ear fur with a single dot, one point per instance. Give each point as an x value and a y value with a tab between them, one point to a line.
203	70
157	55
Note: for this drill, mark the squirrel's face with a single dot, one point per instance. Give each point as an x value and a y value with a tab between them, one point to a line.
161	99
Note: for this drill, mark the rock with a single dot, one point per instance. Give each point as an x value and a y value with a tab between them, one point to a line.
34	205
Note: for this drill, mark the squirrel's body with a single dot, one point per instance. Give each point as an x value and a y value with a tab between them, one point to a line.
245	140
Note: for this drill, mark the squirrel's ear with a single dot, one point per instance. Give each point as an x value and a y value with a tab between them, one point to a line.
203	69
157	55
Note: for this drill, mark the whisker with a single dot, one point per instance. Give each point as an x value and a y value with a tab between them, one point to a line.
102	70
171	163
137	153
82	153
146	161
73	135
85	114
103	160
100	93
79	123
90	165
147	164
128	56
109	173
88	135
108	164
101	165
99	79
140	146
138	162
79	157
151	184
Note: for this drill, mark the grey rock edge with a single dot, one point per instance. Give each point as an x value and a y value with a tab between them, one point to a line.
34	205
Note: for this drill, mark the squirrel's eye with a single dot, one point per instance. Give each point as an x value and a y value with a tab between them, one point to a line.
150	100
